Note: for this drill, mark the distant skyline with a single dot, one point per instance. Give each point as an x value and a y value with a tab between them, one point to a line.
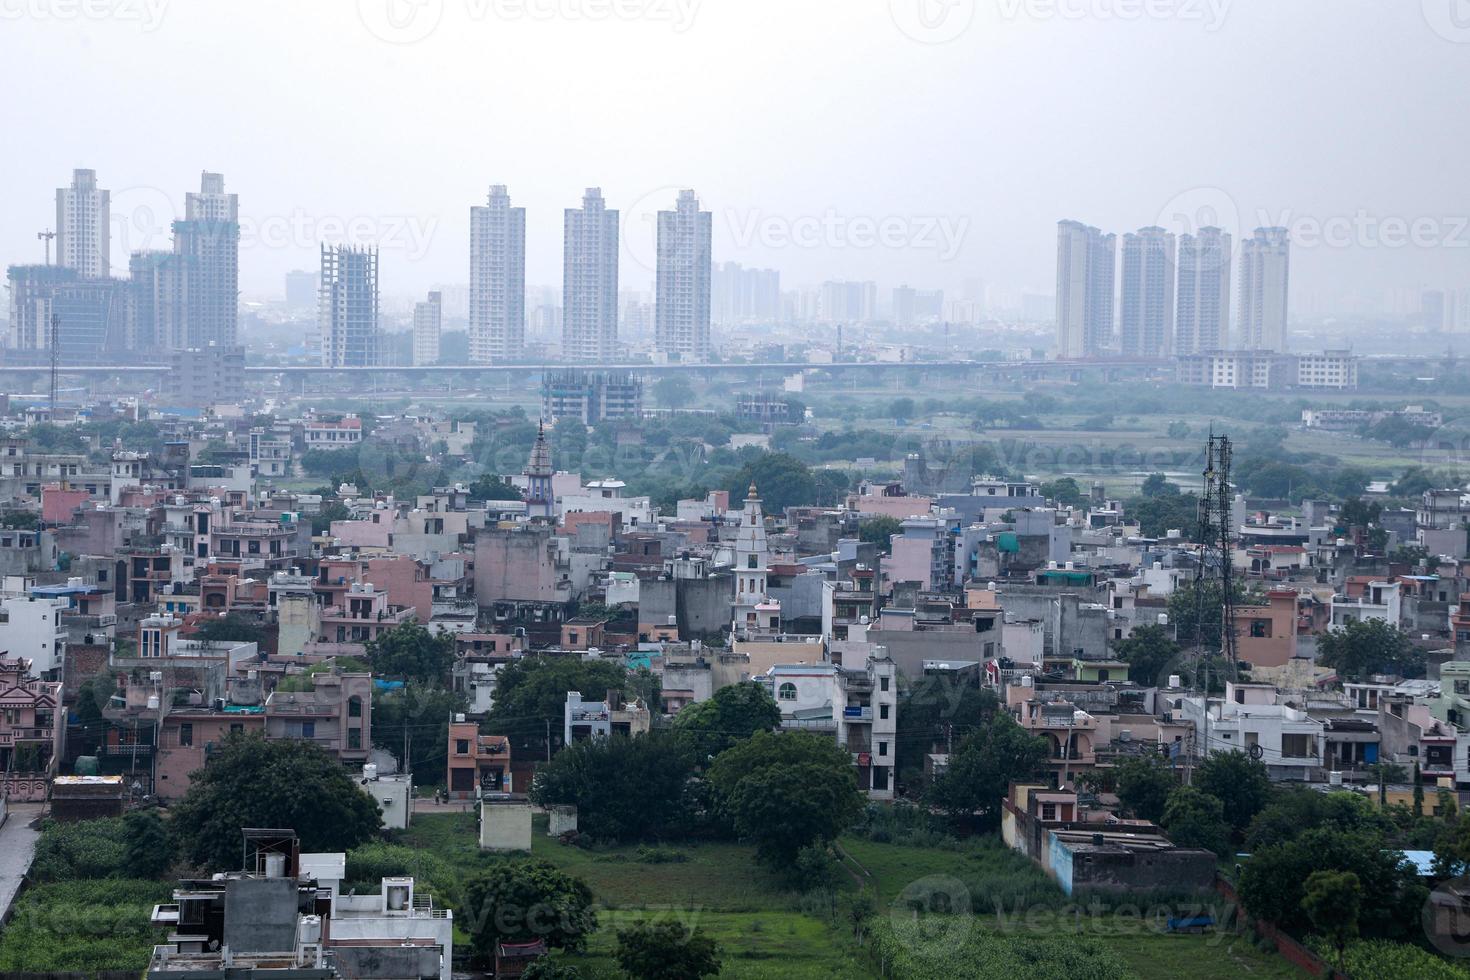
825	139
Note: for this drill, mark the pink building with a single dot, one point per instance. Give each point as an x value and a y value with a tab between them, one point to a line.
31	731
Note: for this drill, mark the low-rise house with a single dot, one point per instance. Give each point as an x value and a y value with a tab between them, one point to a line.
32	730
601	719
478	764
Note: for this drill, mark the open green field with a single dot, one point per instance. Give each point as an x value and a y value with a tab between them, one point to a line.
768	931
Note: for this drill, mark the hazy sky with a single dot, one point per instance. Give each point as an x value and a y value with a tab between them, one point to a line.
928	141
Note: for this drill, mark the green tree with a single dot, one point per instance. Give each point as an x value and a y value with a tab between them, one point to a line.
1196	819
1158	485
878	531
1149	651
522	901
781	479
1240	783
1064	492
147	851
250	781
531	693
1452	848
673	391
1292	812
1273	883
785	791
1144	784
1200	608
935	708
421	712
901	409
488	486
1159	515
1418	793
411	652
230	628
334	510
1332	902
1370	646
983	766
667	950
1178	430
735	712
624	789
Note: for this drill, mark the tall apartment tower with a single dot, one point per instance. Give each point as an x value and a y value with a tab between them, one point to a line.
1202	298
682	295
428	319
497	330
590	281
1146	311
83	225
1265	267
1085	269
207	242
347	311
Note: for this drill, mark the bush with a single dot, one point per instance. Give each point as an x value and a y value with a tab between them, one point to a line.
83	926
369	864
84	849
660	855
927	946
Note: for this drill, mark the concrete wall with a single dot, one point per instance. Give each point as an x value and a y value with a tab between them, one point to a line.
505	827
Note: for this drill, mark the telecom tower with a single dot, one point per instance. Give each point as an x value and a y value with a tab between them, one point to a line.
1216	540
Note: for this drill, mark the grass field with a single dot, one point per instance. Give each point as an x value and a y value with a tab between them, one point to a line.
767	931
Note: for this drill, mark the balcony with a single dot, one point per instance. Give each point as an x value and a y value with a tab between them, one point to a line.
127	751
18	734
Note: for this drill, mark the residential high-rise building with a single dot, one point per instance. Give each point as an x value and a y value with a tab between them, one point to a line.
83	225
207	243
155	301
741	295
428	321
1084	302
301	289
1265	267
347	310
1146	311
91	312
590	281
1436	309
497	328
848	302
1202	299
682	296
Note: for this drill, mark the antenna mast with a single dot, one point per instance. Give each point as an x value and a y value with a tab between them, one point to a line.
55	352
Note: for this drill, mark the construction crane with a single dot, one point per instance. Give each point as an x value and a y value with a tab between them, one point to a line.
46	237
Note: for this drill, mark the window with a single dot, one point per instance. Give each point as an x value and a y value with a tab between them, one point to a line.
354	738
882	683
787	692
1048	811
354	707
882	749
236	728
1261	628
1298	746
308	729
883	712
462	746
750	562
186	734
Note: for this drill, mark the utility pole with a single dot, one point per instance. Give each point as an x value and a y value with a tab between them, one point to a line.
46	237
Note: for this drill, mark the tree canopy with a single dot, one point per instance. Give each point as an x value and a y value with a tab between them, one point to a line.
250	781
531	692
735	712
411	652
1240	783
624	789
983	766
667	950
1149	651
522	901
1370	646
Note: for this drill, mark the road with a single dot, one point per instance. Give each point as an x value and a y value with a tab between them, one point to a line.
17	847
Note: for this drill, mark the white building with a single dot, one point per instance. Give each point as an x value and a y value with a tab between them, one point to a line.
84	225
1085	271
682	301
1202	297
31	628
859	707
1288	740
753	611
590	281
427	323
1380	600
1147	309
609	495
395	912
497	329
1265	264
